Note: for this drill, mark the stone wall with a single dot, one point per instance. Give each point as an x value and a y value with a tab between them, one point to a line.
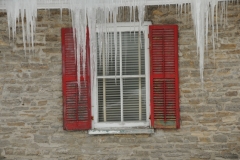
31	98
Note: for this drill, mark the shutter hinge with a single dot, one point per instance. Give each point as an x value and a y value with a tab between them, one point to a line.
150	117
92	118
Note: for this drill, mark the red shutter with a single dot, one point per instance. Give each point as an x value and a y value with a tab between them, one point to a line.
76	108
164	76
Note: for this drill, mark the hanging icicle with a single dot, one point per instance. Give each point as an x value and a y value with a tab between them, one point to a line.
202	13
88	13
19	10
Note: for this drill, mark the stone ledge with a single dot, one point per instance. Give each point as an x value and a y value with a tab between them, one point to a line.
121	131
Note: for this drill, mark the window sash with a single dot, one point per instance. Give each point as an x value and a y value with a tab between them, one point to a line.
146	122
109	92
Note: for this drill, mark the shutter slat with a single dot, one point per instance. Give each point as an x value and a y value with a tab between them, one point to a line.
76	108
164	76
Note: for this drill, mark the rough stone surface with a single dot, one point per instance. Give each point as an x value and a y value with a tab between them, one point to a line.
31	99
220	138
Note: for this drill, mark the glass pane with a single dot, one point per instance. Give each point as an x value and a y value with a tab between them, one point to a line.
133	53
134	99
106	58
113	100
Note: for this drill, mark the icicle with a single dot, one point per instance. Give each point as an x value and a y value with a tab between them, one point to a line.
181	10
226	13
199	19
185	12
23	30
206	30
213	6
176	8
18	9
217	21
130	8
189	11
115	41
88	13
134	18
61	11
200	15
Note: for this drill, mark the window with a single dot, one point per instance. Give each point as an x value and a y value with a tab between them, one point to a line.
138	87
122	89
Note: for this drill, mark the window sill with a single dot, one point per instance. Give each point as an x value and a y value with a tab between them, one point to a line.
121	131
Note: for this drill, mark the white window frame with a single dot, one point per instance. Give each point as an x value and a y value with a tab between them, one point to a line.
128	26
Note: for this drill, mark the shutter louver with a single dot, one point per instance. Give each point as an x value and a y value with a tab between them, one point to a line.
76	108
164	85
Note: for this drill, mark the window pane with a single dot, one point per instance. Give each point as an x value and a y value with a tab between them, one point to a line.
113	100
132	60
134	99
106	61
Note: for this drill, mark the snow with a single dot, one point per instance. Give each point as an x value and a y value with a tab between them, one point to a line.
89	13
